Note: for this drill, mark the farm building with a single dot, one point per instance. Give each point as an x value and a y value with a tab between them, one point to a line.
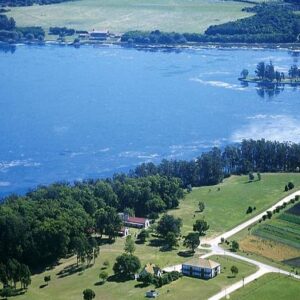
98	35
201	268
151	269
134	221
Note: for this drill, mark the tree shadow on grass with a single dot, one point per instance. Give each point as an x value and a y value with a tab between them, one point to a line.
116	278
43	285
99	283
141	285
156	242
69	270
230	276
187	253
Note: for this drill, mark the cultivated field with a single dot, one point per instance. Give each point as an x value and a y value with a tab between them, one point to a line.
124	15
269	287
226	208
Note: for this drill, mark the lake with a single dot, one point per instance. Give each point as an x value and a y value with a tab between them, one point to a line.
69	114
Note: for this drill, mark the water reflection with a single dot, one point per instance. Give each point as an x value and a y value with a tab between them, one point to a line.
7	48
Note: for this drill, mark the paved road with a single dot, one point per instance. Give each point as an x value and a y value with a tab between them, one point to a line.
217	250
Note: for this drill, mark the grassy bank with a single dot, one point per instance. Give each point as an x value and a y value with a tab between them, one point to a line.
226	203
126	15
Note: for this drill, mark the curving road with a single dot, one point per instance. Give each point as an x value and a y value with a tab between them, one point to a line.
217	250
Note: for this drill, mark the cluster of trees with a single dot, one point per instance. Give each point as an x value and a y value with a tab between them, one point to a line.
61	31
29	2
211	167
270	24
12	272
10	33
50	222
267	72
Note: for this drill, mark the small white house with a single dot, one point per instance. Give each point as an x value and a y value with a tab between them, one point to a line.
151	269
201	268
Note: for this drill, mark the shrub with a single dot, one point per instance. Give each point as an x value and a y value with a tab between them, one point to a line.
290	185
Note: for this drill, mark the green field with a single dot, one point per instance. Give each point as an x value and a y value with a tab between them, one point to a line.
227	207
269	287
124	15
71	287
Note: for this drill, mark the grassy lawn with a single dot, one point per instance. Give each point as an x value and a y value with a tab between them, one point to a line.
269	287
124	15
226	208
71	286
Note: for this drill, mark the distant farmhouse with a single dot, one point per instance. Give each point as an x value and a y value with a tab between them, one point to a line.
134	221
201	268
151	269
98	35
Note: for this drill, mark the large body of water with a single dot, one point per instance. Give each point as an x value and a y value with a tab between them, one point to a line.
70	114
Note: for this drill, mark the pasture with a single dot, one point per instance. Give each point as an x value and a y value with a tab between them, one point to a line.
269	287
125	15
226	203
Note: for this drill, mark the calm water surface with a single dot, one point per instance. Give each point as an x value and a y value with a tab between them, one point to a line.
69	114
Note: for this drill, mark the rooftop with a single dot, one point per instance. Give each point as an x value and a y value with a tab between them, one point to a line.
136	220
202	263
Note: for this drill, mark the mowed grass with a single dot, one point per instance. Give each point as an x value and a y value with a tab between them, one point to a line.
226	203
124	15
269	287
71	287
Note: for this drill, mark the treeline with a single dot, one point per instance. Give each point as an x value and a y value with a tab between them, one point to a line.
270	24
10	33
52	221
29	2
211	167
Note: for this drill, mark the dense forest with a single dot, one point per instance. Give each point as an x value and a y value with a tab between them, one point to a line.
211	167
29	2
9	32
270	24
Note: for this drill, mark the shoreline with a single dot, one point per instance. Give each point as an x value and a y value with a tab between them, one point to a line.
253	46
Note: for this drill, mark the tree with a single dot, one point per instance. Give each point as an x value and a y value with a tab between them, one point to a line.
146	278
260	70
106	263
126	265
169	224
47	279
259	176
171	240
201	226
192	241
25	276
249	210
201	206
88	294
290	185
143	235
129	245
244	73
235	246
251	176
103	275
234	270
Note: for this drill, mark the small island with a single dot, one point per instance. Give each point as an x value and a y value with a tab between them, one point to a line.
266	74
